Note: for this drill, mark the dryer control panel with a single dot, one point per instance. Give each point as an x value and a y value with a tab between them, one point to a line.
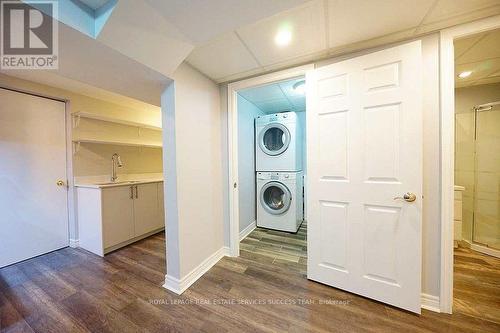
278	175
283	117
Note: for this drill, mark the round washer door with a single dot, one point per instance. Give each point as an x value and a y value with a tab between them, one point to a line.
274	139
275	197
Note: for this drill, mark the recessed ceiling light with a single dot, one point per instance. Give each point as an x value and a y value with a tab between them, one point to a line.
300	87
465	74
283	37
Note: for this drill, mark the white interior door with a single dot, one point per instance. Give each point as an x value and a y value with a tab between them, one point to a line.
364	143
33	208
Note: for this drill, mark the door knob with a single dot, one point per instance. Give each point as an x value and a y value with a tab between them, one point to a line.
408	196
60	183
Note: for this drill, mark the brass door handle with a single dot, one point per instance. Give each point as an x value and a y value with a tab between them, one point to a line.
60	183
408	196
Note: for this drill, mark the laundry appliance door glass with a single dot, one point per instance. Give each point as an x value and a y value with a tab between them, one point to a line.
274	139
275	197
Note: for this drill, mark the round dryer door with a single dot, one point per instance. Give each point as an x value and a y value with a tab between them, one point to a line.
274	139
275	197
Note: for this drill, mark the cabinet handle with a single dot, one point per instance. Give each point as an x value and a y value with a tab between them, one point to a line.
136	192
131	192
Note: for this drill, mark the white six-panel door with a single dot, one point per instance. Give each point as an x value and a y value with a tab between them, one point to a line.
33	208
364	144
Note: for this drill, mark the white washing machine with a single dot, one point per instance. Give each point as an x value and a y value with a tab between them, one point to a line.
279	200
278	142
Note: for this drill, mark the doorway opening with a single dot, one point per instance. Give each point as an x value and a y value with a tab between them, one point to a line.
363	218
477	174
271	172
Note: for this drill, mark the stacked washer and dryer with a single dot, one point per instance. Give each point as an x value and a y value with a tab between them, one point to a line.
280	181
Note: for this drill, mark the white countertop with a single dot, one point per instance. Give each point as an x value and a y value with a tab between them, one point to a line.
103	181
118	183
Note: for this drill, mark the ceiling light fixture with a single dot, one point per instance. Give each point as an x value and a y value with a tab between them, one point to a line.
465	74
284	36
300	87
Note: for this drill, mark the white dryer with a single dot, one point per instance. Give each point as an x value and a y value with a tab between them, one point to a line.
279	200
278	142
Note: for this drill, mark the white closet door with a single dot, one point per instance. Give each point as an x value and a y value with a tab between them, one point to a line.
34	209
364	144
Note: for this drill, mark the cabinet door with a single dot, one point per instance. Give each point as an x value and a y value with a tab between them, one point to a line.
117	215
161	205
146	208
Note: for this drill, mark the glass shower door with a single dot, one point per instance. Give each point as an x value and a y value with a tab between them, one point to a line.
486	226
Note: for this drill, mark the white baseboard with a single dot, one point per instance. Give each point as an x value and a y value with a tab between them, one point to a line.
74	243
430	302
179	286
248	230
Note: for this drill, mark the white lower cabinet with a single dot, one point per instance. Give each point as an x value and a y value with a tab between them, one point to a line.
117	215
146	211
112	217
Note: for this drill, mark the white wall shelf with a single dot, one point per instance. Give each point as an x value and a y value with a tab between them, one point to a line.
77	143
88	115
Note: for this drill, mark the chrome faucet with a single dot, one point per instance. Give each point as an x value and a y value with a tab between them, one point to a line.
116	161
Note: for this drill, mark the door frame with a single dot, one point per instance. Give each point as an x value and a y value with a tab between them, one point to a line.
232	139
70	193
447	87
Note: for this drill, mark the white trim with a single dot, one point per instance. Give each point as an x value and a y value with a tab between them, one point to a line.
71	195
447	87
248	230
485	250
179	286
430	302
232	136
74	243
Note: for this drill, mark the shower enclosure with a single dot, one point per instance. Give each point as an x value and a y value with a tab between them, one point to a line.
478	169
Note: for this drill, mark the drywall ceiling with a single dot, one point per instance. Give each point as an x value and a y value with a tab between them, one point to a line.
276	97
86	62
322	28
479	54
140	32
93	4
142	43
203	20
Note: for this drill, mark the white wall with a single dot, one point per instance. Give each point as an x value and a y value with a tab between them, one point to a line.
194	181
431	209
247	112
91	159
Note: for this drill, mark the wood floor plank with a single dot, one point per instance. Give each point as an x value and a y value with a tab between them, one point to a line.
263	290
40	311
96	316
10	319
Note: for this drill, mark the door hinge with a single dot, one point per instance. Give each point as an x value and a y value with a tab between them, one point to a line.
235	185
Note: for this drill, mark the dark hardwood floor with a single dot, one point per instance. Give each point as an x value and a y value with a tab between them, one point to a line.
71	290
